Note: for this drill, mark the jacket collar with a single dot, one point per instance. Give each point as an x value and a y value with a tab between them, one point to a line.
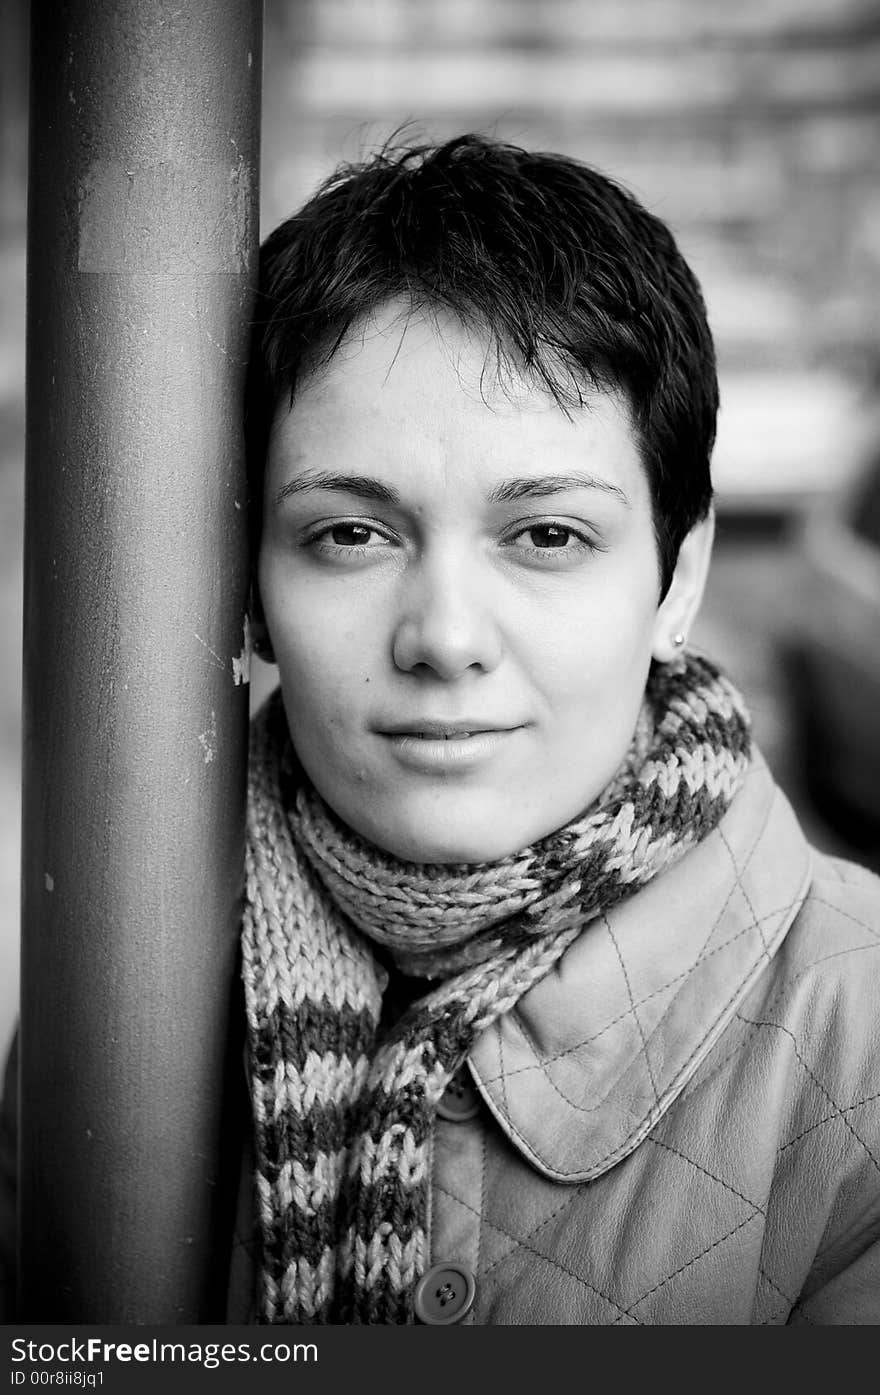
596	1053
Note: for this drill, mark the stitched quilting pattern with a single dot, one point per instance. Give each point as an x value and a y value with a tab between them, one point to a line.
749	1198
629	1028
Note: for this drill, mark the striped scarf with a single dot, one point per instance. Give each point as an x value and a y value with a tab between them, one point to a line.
343	1111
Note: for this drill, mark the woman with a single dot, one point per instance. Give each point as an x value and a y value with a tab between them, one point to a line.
553	1015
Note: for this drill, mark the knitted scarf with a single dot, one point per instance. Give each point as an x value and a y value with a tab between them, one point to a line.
343	1110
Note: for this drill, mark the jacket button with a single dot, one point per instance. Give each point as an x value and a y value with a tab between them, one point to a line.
460	1100
444	1294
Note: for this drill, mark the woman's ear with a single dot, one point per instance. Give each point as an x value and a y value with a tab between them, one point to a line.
678	609
260	641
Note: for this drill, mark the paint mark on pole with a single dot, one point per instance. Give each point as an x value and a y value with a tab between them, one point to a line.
211	340
208	739
140	219
241	667
213	652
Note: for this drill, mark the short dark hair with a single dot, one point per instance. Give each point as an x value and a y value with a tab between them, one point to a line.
576	284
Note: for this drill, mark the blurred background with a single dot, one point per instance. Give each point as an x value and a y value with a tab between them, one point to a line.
753	129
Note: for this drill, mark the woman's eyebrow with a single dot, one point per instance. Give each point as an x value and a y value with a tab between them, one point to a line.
361	485
505	492
530	487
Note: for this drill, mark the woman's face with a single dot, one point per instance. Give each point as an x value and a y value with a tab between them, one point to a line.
461	588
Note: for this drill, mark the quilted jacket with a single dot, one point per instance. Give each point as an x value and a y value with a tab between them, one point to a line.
681	1123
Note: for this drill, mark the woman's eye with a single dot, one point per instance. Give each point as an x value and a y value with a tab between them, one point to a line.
549	535
349	534
346	539
543	541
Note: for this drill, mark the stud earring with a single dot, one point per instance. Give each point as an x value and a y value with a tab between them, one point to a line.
678	640
260	642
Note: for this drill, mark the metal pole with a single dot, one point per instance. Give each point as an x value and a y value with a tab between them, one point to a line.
141	255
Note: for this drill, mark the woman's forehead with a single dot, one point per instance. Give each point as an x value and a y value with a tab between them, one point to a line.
420	390
417	341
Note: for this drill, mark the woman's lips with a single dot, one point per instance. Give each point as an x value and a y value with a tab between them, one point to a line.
439	748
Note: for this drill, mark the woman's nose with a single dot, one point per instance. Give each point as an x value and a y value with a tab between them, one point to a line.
445	625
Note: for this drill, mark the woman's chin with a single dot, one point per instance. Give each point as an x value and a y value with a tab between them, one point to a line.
470	828
433	842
